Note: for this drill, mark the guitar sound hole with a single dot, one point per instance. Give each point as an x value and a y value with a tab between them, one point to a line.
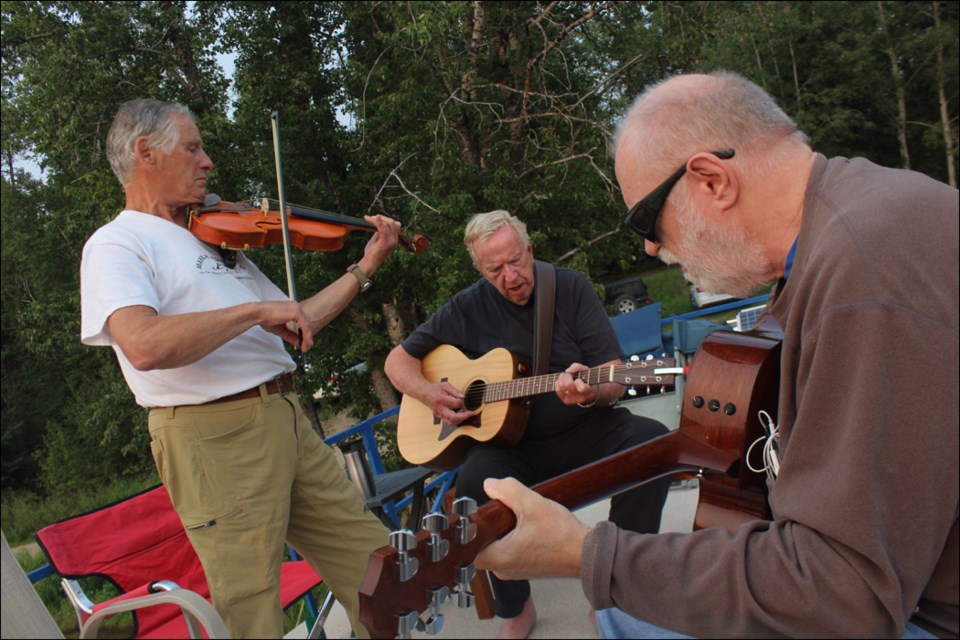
473	398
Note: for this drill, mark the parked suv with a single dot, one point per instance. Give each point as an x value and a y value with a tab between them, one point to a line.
626	295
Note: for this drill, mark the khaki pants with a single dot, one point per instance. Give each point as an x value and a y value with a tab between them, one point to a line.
246	476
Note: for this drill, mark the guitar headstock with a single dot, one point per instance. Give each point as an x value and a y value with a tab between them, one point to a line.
649	372
417	573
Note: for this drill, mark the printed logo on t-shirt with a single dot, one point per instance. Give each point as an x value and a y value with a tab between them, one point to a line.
208	264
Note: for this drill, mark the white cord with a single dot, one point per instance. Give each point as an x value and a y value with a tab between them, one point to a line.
771	447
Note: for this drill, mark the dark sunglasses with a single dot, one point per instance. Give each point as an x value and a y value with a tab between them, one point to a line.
642	216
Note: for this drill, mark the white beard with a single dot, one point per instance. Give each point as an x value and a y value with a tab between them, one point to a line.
716	258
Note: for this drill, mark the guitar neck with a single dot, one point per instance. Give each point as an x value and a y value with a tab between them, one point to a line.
643	373
666	455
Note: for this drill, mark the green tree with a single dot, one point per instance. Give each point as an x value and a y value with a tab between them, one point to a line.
67	67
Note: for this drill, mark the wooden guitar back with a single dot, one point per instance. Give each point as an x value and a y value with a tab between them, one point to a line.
733	377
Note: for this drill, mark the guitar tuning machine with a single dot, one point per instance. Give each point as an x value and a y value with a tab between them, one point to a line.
403	541
466	530
465	573
438	595
407	623
436	523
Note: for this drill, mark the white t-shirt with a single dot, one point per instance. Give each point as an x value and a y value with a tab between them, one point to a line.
142	259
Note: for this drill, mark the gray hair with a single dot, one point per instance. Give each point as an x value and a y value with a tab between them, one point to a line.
685	114
144	117
483	225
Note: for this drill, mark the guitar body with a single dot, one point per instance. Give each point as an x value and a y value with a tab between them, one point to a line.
733	377
421	437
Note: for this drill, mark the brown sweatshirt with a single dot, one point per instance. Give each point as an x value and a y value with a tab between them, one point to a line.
866	503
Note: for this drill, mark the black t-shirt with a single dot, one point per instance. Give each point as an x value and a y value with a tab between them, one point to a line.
479	319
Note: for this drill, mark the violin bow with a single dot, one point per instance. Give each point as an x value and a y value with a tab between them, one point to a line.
281	195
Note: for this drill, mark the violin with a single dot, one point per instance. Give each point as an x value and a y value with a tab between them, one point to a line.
240	226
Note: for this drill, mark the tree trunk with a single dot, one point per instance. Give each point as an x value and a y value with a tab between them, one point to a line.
897	73
949	141
383	389
188	74
396	327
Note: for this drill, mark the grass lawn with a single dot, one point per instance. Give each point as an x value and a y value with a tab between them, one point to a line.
667	286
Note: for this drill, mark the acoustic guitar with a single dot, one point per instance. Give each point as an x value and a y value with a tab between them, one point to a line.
732	378
495	389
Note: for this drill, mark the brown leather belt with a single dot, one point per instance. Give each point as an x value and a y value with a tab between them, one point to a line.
281	384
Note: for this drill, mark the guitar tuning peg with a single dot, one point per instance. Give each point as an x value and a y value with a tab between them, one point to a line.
466	530
436	524
632	391
403	541
465	573
438	595
649	357
634	358
407	623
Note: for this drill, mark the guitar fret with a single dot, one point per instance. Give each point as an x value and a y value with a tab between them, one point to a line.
642	373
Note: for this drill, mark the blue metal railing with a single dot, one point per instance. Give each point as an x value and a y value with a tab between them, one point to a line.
718	308
441	483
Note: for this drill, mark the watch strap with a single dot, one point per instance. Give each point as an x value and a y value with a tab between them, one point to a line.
361	277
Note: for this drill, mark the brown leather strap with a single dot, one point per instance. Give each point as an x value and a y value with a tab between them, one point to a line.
546	284
280	385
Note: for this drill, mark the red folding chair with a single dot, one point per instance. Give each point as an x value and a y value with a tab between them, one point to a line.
140	546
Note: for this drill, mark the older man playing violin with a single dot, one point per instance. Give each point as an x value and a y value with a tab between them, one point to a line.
200	344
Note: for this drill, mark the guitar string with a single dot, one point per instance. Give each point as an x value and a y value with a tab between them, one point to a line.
507	389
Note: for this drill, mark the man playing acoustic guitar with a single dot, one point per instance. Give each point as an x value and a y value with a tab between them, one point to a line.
864	487
566	429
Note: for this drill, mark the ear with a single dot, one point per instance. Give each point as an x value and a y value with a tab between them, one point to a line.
714	181
143	151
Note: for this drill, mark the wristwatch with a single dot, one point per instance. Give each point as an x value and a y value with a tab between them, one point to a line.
361	277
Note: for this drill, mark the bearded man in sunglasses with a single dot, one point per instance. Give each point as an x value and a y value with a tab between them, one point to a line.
864	536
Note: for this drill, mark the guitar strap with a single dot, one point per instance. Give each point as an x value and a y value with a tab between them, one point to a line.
546	290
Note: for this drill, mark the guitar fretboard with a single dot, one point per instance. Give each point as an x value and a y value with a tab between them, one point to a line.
634	373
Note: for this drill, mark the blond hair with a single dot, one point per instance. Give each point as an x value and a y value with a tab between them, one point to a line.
483	225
